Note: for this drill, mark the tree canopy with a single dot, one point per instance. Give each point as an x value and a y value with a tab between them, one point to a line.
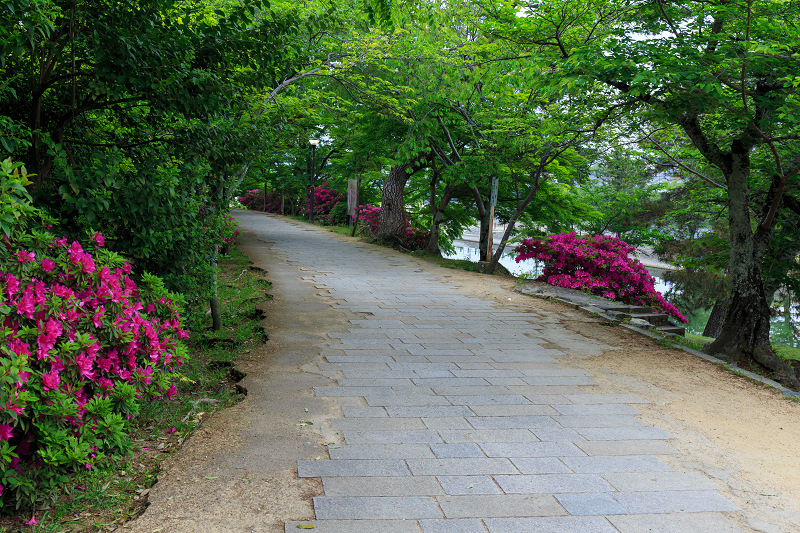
145	118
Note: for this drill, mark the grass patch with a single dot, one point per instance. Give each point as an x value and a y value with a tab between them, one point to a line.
787	353
695	341
116	491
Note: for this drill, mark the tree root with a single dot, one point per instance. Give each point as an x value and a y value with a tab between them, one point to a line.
780	370
767	362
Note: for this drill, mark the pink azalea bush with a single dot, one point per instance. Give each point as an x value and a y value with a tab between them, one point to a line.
598	265
325	200
415	238
254	199
368	216
80	345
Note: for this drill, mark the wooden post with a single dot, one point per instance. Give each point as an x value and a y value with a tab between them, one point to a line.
355	219
352	200
313	169
265	197
492	204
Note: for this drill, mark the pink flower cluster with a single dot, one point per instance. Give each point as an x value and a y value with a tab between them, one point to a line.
73	328
229	231
368	215
598	265
325	199
415	238
254	199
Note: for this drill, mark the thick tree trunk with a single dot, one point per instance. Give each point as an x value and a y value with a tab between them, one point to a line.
392	221
744	338
716	319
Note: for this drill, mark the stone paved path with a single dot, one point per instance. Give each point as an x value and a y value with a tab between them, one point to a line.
458	417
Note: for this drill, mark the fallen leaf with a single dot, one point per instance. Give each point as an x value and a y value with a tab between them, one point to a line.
305	526
212	477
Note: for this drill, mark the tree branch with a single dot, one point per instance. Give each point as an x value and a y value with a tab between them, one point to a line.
686	168
707	149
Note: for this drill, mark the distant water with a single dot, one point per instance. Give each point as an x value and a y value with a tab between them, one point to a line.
780	330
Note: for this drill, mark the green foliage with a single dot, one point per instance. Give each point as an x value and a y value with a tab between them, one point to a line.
161	213
144	116
15	201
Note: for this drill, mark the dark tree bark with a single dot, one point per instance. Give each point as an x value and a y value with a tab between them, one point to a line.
483	216
392	221
744	338
216	316
432	246
716	319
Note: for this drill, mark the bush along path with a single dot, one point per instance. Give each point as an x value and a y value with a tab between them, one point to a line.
86	446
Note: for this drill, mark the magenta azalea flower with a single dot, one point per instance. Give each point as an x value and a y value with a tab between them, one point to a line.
596	264
24	257
67	341
6	432
51	380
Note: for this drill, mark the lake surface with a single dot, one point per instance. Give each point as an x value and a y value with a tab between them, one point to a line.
780	330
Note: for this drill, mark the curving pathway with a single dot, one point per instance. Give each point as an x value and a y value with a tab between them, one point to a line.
457	416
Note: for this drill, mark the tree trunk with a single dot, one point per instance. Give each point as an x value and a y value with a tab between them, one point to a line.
216	316
392	220
521	205
744	338
483	216
432	246
787	304
716	319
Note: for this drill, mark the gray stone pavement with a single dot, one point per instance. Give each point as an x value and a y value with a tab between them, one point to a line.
457	417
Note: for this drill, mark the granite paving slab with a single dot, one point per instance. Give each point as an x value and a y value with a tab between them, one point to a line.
458	416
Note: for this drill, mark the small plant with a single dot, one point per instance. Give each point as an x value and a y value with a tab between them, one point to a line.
667	344
598	265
